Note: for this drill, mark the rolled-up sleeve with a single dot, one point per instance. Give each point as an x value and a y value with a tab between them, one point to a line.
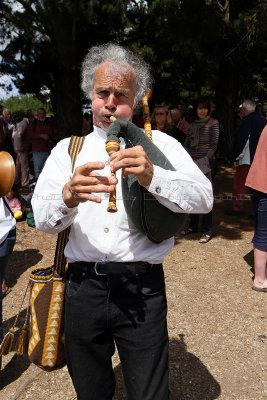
185	190
51	214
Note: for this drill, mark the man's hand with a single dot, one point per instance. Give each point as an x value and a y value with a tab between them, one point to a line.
133	161
85	181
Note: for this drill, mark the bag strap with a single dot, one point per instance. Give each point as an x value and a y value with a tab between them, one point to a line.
75	146
7	206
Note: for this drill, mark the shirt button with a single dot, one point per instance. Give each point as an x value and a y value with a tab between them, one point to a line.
64	212
106	230
158	189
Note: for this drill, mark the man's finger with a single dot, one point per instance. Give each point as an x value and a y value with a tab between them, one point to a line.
82	180
129	162
132	152
85	190
89	167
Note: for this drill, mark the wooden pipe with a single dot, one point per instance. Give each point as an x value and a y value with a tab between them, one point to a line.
111	147
146	114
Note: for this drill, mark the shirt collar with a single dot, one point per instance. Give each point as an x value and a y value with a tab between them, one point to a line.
100	132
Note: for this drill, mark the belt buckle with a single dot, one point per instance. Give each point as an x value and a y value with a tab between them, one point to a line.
96	272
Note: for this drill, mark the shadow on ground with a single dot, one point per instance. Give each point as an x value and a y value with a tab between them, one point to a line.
13	370
249	258
18	364
19	262
189	379
230	227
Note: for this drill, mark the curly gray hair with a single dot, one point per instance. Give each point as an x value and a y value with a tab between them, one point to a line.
121	60
249	105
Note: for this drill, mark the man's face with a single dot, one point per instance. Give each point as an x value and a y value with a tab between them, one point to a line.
113	94
176	115
41	115
7	115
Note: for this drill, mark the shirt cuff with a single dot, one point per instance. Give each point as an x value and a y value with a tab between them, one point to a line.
165	190
62	213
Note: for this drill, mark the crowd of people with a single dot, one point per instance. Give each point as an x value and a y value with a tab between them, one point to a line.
110	287
32	137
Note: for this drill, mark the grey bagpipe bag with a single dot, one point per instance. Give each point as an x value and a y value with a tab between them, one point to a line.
147	214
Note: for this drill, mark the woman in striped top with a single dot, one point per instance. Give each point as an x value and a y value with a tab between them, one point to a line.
201	143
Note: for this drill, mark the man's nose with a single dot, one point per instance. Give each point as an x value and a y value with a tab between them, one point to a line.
111	102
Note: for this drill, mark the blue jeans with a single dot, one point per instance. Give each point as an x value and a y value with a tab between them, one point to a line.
259	202
39	159
130	311
6	249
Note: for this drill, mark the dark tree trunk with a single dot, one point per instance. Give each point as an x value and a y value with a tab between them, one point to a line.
66	92
67	104
226	102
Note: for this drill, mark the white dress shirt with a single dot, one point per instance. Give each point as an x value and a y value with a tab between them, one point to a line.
244	157
97	235
7	221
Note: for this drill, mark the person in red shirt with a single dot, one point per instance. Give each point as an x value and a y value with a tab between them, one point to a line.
257	182
44	136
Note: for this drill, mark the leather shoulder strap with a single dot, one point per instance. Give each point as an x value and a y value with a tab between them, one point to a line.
75	146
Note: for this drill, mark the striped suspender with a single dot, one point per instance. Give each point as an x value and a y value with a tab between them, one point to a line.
76	143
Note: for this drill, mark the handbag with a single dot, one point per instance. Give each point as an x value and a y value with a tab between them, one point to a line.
44	338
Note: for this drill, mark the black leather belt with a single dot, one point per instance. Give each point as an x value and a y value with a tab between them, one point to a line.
87	269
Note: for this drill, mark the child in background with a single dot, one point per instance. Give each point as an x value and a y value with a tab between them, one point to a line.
14	202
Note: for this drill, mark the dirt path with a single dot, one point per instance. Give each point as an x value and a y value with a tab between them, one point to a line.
217	324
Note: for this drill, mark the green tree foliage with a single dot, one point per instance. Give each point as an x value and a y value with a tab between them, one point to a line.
21	105
44	42
204	47
195	47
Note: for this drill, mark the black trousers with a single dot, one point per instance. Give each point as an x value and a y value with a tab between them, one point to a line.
129	311
206	226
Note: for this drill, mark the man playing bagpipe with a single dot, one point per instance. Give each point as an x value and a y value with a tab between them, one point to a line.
115	282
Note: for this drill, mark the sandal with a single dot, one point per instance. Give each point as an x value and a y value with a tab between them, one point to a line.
5	293
187	231
205	238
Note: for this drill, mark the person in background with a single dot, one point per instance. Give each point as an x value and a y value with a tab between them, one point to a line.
245	145
9	127
259	110
179	120
201	143
161	120
115	290
21	147
43	135
14	202
185	112
7	241
257	182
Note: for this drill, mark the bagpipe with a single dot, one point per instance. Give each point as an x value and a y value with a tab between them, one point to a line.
148	215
